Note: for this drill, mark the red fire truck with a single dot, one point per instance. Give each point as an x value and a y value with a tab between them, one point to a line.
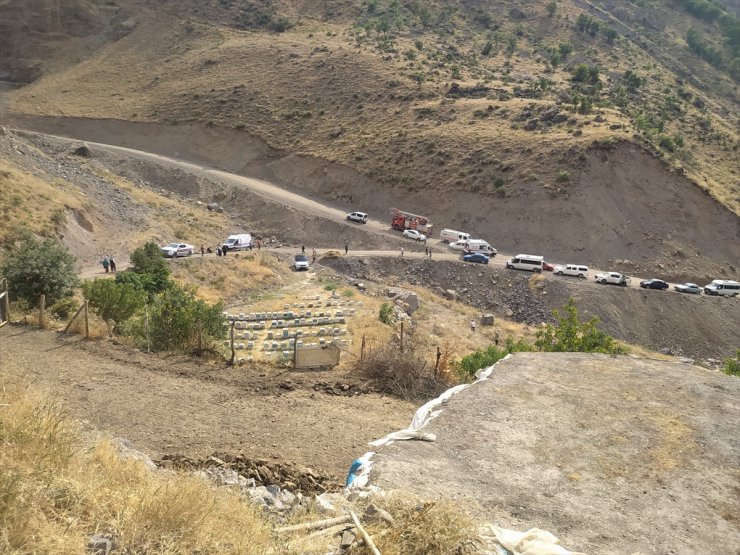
401	220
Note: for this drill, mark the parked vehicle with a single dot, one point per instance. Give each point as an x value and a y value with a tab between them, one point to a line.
301	262
360	217
413	234
528	262
401	221
478	257
723	287
654	284
576	270
547	266
174	250
241	241
459	245
479	245
612	278
452	236
692	288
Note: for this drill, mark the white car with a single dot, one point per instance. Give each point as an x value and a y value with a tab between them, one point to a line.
692	288
177	249
300	262
612	278
360	217
413	234
571	270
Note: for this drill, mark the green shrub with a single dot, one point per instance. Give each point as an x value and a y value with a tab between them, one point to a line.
153	274
35	267
563	176
551	8
386	312
330	287
470	364
732	365
112	300
174	317
64	308
570	335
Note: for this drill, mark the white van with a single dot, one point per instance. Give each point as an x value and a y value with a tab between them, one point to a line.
526	262
479	245
723	287
572	270
452	236
241	241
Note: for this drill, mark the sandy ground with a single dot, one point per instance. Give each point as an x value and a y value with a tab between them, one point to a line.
614	455
174	404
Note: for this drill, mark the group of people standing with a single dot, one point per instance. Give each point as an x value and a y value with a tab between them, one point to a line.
108	264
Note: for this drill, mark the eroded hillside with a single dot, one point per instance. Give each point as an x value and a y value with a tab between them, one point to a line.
517	119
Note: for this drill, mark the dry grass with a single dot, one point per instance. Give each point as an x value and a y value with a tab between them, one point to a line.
57	491
226	278
29	202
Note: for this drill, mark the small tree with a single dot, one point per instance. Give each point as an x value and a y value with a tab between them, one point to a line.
174	318
37	267
551	8
114	301
570	335
386	313
152	270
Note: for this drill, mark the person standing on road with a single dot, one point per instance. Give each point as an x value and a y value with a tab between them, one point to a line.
224	249
313	257
472	325
202	250
112	265
430	253
401	255
303	249
105	262
346	248
218	252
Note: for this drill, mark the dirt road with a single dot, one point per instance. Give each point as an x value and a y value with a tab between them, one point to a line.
175	404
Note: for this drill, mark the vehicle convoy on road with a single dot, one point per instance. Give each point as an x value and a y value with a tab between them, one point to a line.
401	221
478	257
241	241
474	245
692	288
576	270
654	284
174	250
414	234
528	262
547	266
359	217
724	287
612	278
452	236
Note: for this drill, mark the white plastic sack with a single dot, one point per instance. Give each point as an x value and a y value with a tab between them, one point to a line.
531	542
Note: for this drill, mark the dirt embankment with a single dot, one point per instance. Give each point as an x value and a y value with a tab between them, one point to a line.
613	455
625	209
167	405
695	326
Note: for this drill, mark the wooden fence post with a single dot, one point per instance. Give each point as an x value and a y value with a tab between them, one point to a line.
436	364
233	352
401	335
146	328
362	348
42	307
87	321
5	300
82	307
200	337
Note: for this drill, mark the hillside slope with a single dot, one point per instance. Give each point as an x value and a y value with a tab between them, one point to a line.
478	114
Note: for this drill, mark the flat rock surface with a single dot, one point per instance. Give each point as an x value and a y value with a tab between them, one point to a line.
611	454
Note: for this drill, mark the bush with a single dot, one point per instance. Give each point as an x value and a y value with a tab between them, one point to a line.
64	308
386	313
551	8
114	301
563	176
37	267
732	365
570	335
470	364
174	317
153	272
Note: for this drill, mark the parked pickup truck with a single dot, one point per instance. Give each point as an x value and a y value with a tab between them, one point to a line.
613	278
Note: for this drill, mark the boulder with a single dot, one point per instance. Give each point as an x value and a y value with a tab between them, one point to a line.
83	150
215	207
99	545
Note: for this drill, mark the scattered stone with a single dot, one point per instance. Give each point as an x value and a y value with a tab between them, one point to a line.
666	351
214	207
83	151
99	545
127	451
374	513
486	320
